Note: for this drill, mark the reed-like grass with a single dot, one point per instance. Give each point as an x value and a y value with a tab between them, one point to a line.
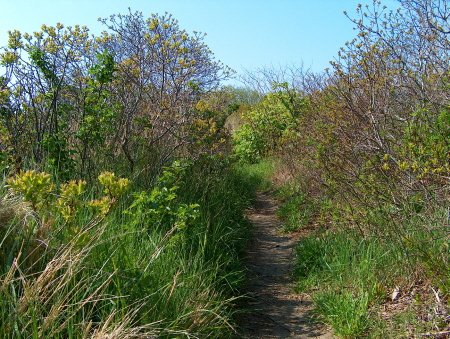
112	278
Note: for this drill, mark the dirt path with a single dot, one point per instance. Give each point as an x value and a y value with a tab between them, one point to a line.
274	311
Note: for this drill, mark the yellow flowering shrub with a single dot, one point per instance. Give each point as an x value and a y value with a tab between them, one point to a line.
101	206
38	188
70	198
113	186
35	187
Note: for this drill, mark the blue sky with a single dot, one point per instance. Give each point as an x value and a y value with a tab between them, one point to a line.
244	34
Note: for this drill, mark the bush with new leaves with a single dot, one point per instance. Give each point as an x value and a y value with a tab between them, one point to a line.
35	187
38	189
160	208
268	125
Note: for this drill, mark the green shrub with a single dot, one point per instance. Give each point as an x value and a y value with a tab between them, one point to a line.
268	125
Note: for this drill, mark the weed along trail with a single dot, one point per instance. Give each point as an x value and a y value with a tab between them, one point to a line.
274	311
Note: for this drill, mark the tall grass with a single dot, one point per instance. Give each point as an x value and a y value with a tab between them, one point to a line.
115	278
296	209
257	175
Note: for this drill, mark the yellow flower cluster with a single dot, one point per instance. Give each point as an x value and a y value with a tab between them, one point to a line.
38	189
112	185
35	187
69	198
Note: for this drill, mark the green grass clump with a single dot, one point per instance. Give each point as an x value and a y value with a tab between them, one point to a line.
343	259
344	275
296	212
297	208
347	313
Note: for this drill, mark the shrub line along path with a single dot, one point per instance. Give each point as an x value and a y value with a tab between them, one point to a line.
274	311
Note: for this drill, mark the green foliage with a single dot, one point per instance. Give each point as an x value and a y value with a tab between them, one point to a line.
164	263
38	189
248	144
113	186
8	58
370	151
6	156
40	59
349	275
368	144
100	112
267	125
103	71
426	147
78	102
160	208
81	258
258	175
346	277
59	157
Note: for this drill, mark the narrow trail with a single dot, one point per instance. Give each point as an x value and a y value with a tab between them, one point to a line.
274	310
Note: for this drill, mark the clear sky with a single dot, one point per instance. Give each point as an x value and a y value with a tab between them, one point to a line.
243	34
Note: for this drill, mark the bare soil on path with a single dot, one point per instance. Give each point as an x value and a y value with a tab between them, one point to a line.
273	310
